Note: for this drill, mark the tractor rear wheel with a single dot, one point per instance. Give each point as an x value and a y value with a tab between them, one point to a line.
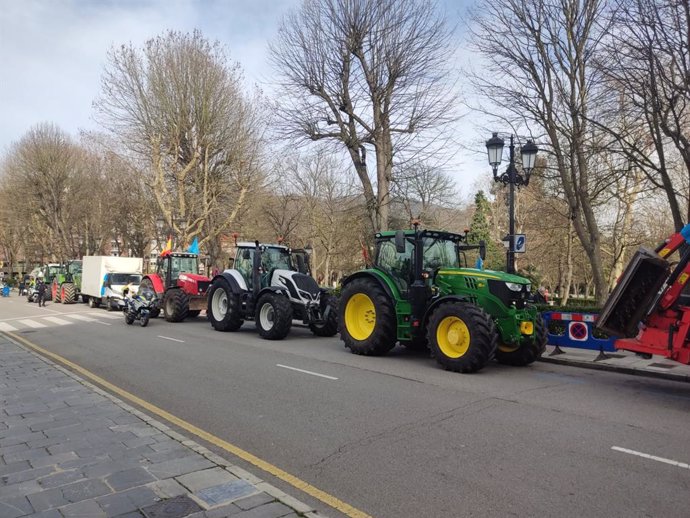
329	326
273	316
68	294
367	318
55	293
462	337
528	351
223	308
175	305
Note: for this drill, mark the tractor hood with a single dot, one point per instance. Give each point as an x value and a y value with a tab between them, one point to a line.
511	290
193	277
484	274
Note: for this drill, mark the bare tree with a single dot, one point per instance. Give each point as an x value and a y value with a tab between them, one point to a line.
51	180
177	107
422	189
540	74
647	65
366	74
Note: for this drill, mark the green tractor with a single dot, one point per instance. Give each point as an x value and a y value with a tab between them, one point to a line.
66	284
419	294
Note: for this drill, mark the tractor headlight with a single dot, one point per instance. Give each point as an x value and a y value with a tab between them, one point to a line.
513	286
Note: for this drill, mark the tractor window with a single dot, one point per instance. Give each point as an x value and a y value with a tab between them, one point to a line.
275	258
439	253
398	266
244	264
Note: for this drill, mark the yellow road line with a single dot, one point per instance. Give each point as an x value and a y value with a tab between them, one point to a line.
315	492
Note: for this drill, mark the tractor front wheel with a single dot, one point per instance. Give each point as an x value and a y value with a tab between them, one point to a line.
462	337
223	308
273	316
366	318
55	293
175	305
329	326
528	351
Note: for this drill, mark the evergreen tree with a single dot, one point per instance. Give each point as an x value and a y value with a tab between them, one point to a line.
481	230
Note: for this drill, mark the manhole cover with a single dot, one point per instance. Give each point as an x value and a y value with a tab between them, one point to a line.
177	507
661	365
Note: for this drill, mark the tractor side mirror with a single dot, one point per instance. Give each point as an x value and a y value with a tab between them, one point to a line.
400	242
482	249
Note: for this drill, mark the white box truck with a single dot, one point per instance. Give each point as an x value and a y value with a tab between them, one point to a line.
104	277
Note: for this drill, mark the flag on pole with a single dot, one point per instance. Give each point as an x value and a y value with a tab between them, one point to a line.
194	247
168	248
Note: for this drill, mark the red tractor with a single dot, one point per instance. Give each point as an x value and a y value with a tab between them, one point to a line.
650	307
178	283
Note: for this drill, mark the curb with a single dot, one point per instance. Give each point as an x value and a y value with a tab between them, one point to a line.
683	378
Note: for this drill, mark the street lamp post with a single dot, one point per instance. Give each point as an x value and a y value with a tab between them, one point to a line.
511	177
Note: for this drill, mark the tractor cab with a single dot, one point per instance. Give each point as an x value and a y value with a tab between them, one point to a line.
170	266
268	259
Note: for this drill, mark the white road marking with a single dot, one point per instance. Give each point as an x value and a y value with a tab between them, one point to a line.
306	372
32	323
6	327
102	323
168	338
652	457
80	317
111	315
56	320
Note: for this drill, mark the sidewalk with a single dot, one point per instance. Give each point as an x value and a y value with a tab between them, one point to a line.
621	361
69	449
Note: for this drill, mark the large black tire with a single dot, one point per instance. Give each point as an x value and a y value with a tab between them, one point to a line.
175	305
462	337
85	299
69	293
144	321
57	295
329	327
273	316
193	313
527	352
130	316
223	308
366	318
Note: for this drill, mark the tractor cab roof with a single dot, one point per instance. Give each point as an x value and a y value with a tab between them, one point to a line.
437	234
249	244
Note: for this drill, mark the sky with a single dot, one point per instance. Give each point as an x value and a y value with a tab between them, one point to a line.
52	54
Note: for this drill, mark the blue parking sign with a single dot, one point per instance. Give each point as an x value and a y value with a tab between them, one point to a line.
520	243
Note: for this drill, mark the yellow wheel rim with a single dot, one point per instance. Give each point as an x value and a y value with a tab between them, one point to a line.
360	316
504	348
453	337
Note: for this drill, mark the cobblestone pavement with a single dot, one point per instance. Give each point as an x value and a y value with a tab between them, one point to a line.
69	449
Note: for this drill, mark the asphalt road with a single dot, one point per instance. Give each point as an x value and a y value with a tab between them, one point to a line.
397	436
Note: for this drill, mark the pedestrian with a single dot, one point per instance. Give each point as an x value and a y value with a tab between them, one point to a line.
41	288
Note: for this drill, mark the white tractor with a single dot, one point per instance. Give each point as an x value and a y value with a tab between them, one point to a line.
265	285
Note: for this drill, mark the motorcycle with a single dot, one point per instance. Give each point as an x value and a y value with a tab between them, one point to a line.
139	308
